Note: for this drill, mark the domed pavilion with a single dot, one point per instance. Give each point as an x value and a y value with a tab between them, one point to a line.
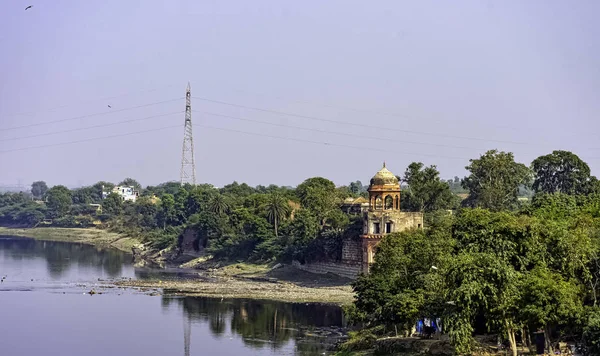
384	215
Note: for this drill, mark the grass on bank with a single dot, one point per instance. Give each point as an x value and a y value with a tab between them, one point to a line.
91	236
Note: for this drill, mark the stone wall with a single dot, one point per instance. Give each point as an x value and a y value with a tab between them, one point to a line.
346	270
400	220
352	251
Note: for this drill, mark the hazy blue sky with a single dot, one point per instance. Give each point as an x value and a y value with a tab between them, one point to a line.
452	79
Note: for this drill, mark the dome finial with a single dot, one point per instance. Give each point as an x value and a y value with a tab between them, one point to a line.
383	164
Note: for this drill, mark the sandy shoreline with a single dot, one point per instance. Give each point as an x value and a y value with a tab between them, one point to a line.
240	289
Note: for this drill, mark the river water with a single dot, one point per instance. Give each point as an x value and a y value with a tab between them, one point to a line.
45	310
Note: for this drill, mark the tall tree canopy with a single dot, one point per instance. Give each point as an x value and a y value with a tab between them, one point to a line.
426	191
277	209
59	199
130	182
319	195
113	204
495	180
561	172
38	189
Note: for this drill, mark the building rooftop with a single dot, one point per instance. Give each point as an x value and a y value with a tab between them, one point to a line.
384	177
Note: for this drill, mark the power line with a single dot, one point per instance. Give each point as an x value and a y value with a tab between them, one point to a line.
247	133
355	124
91	139
89	127
365	111
89	115
337	133
328	143
85	101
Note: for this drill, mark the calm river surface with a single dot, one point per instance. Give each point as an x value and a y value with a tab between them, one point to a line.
45	310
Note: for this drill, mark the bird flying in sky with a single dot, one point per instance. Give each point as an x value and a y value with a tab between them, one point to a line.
29	7
110	106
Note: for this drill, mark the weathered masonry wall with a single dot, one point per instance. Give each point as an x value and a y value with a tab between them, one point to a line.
352	251
346	270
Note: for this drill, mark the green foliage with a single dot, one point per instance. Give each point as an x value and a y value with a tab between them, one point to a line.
130	182
537	268
494	261
494	181
455	185
426	191
219	204
591	331
58	200
113	204
320	196
561	172
39	189
549	299
277	209
359	340
167	213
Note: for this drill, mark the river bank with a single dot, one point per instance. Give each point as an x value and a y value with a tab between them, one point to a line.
91	236
234	288
210	278
233	280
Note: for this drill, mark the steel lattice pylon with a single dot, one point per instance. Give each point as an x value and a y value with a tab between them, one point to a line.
188	166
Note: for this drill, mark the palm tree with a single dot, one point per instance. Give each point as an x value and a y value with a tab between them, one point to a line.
277	208
218	204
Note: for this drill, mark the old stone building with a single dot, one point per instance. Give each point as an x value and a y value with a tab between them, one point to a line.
381	216
384	215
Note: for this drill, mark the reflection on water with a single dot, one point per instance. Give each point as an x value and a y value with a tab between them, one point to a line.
265	324
62	257
46	288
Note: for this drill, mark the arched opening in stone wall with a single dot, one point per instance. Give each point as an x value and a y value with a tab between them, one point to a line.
378	203
389	202
397	199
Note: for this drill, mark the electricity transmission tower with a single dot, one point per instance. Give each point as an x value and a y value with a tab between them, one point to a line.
187	332
188	166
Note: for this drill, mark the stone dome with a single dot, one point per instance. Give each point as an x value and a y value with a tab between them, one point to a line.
384	177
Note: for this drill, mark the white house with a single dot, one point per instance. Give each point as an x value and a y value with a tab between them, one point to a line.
126	193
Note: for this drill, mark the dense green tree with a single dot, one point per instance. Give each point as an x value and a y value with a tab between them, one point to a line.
591	331
561	172
112	205
83	195
181	200
548	299
58	199
98	189
357	188
29	215
320	196
300	233
164	188
238	190
130	182
426	191
167	212
39	189
219	204
405	282
495	180
146	210
277	209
